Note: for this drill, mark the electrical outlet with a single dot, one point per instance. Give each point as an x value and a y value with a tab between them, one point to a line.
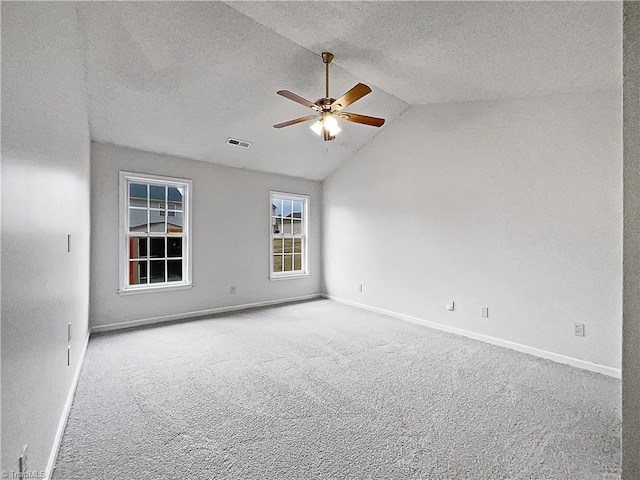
232	290
578	329
485	312
451	306
360	288
22	463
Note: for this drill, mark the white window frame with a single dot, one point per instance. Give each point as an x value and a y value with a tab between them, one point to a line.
306	206
130	177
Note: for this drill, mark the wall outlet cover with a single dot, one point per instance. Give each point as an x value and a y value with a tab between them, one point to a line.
232	290
451	306
578	329
485	312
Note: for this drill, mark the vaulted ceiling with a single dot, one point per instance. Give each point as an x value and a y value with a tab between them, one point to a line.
180	77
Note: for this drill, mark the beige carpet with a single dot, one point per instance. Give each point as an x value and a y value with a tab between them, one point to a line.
320	390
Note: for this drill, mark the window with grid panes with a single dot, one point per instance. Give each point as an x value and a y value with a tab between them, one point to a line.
289	235
155	237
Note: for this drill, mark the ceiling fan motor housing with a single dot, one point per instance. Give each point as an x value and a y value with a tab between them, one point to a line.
325	103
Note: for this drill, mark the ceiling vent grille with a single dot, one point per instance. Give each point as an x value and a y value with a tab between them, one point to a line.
238	143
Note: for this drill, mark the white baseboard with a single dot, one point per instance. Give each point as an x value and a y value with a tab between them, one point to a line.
556	357
198	313
65	413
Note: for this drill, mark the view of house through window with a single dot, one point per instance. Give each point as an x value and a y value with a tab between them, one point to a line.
289	237
156	219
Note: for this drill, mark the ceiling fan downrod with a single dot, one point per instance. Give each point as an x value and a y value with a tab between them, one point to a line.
326	58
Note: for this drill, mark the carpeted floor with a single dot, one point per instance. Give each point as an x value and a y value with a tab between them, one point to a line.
320	390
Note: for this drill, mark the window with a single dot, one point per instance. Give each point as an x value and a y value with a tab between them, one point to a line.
154	234
289	235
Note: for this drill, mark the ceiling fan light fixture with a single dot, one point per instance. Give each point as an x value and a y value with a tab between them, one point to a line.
317	127
328	123
331	124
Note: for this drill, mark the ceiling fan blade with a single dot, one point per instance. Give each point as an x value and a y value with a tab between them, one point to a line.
356	93
297	120
298	99
363	119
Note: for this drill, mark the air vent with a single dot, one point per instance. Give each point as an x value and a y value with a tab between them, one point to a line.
238	143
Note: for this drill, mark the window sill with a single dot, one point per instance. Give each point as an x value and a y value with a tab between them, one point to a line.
289	277
161	288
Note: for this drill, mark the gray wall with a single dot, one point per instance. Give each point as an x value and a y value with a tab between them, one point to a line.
631	333
45	196
511	204
231	226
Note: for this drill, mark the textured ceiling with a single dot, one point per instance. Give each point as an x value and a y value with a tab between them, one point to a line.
180	77
434	52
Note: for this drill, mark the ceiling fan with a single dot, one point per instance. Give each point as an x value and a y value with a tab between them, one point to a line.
329	110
